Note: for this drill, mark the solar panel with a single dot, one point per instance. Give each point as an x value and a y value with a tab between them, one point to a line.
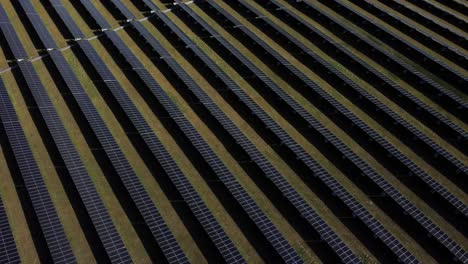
67	19
417	15
445	127
226	177
9	33
351	118
96	210
288	191
424	59
387	188
123	9
100	21
150	5
43	207
46	39
193	200
427	86
8	251
438	11
429	40
140	197
262	221
182	184
313	165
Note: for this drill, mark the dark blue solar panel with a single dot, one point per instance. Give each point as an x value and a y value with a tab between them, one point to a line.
123	9
100	21
189	194
392	150
424	59
83	183
67	19
439	11
138	193
430	88
227	178
48	219
368	171
453	165
9	32
288	191
443	48
8	251
46	39
249	205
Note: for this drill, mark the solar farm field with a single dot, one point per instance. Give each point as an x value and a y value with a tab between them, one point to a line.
233	131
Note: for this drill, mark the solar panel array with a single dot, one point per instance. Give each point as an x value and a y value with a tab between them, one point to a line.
424	38
140	197
189	194
8	251
95	208
427	86
366	170
336	188
70	25
287	190
239	193
47	217
451	166
416	15
191	197
339	108
373	60
439	11
35	20
9	33
424	59
252	209
439	234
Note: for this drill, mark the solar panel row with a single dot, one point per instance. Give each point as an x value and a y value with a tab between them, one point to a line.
182	184
377	179
190	195
397	66
287	190
8	31
122	8
226	177
204	149
451	166
406	205
443	48
417	15
416	54
47	217
8	251
336	188
96	210
351	118
62	12
459	6
140	197
439	11
100	21
171	108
